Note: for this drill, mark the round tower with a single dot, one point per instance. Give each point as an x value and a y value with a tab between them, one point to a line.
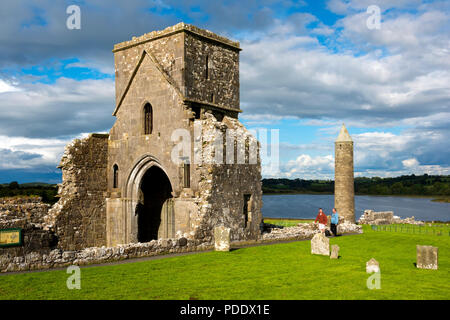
344	188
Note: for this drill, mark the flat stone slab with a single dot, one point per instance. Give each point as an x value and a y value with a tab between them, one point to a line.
222	238
427	257
320	244
372	266
334	251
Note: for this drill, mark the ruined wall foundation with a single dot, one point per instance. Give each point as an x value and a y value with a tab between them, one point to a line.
79	217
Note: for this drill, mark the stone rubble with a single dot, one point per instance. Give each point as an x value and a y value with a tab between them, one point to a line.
59	258
306	231
14	210
385	217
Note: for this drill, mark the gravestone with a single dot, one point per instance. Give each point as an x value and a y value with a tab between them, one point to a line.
320	244
222	238
334	251
427	257
328	222
372	266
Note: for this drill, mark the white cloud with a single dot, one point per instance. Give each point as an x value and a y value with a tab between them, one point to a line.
28	153
7	87
410	163
64	108
308	167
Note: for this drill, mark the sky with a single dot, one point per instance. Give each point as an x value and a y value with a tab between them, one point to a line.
306	67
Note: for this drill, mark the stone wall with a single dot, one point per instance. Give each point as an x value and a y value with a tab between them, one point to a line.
28	214
203	65
35	260
212	72
384	217
168	50
79	217
222	187
29	209
306	231
376	218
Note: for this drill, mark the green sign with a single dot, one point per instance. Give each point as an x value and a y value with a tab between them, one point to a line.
10	237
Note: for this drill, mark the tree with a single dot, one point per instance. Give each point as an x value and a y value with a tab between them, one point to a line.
397	188
14	185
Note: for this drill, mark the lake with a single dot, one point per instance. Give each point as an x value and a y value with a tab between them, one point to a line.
306	206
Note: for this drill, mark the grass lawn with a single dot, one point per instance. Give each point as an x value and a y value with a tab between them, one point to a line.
286	222
281	271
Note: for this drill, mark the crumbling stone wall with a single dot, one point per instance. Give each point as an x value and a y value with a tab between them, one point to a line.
28	214
385	217
79	217
222	187
27	208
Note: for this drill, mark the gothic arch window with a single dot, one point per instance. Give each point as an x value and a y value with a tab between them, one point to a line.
148	119
115	176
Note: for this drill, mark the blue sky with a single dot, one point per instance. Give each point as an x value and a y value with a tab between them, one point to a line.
306	67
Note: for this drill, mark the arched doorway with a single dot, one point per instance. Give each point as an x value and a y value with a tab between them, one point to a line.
154	206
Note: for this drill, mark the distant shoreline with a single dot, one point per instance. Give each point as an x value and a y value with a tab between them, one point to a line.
442	200
435	198
312	219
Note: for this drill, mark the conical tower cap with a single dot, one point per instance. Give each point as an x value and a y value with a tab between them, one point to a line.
343	135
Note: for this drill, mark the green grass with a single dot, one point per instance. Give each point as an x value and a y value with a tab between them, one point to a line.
286	222
440	229
281	271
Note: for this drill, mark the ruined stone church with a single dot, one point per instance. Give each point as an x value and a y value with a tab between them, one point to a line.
125	186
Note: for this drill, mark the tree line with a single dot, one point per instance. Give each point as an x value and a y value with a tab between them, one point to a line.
403	185
428	185
46	191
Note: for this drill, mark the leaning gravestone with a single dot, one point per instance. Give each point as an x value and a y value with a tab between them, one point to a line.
372	266
427	257
320	244
334	251
222	238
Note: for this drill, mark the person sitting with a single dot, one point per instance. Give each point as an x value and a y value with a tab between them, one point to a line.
322	218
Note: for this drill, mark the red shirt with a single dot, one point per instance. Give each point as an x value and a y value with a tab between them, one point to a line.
322	218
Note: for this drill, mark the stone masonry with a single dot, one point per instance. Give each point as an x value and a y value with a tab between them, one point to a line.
385	217
79	217
133	184
344	189
28	214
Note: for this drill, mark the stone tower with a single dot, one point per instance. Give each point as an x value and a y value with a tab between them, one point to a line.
179	80
177	162
344	189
